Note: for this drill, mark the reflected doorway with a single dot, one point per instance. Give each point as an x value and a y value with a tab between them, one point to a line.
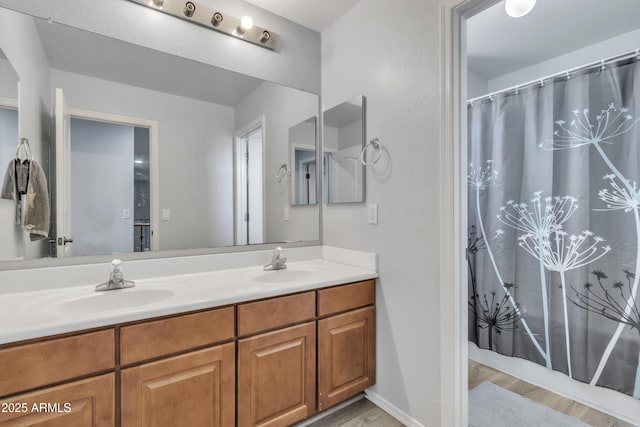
249	171
109	171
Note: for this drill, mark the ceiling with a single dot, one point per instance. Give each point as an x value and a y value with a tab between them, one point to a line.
498	44
315	14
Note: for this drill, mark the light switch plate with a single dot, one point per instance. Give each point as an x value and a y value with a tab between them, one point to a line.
126	213
166	214
372	214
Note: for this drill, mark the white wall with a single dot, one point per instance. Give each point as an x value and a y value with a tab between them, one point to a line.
621	44
283	108
398	71
195	155
295	62
8	138
101	188
476	85
32	67
8	80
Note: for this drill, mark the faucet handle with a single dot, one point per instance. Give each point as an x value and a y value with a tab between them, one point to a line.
277	253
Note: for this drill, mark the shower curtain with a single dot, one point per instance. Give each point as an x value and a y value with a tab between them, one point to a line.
554	224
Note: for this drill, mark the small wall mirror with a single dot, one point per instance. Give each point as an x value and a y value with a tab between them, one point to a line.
344	139
302	147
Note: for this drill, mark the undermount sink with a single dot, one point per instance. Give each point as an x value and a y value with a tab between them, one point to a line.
112	300
285	275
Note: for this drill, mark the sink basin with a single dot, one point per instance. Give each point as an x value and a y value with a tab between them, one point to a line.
112	300
286	275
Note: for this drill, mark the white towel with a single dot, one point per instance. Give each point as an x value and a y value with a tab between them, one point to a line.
37	215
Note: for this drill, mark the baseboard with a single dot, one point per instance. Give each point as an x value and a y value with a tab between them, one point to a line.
392	410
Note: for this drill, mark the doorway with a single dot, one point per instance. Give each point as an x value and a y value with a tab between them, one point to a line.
460	81
109	169
249	184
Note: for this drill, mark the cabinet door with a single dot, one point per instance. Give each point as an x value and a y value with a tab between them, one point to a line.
85	403
346	355
194	389
277	377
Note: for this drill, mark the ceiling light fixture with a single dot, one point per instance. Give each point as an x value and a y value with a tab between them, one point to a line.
518	8
201	14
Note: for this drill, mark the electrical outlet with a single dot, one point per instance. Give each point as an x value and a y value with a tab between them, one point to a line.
286	213
126	213
166	214
372	214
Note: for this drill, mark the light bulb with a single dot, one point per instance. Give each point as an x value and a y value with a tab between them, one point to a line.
518	8
246	23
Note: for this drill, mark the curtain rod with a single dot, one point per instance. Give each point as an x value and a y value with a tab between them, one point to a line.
567	73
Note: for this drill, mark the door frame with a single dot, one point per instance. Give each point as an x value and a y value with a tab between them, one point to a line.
260	122
453	207
154	187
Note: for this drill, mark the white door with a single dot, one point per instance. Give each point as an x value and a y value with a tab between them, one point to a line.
63	177
249	185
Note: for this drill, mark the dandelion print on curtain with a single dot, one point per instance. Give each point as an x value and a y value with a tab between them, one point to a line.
554	225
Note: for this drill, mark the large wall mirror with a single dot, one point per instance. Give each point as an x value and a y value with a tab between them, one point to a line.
344	140
152	152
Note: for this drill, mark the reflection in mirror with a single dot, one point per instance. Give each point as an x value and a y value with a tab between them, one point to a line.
200	111
302	146
9	137
344	138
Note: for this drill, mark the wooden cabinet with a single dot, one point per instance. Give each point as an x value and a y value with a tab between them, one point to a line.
277	377
346	342
194	389
85	403
28	366
267	363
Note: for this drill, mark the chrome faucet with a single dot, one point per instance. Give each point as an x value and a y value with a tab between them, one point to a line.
278	262
116	278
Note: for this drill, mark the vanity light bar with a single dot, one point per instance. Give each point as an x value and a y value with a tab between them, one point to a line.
213	19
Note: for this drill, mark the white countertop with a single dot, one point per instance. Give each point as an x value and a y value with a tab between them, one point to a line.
39	313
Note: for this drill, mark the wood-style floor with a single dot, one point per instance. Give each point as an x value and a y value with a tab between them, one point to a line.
359	414
479	373
364	413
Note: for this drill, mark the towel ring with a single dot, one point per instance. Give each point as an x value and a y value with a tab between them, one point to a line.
24	144
282	173
377	146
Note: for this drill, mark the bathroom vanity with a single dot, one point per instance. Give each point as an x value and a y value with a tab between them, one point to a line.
265	361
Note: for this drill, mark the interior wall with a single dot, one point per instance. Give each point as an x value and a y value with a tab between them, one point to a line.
8	80
195	141
295	61
101	188
283	108
621	44
32	67
476	85
399	73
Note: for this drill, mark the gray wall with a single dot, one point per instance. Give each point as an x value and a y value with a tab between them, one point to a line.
282	107
624	43
476	85
195	155
8	80
32	67
101	188
295	62
399	73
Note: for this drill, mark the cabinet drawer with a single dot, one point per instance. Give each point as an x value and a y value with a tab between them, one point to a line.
276	312
34	365
85	403
166	336
347	297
